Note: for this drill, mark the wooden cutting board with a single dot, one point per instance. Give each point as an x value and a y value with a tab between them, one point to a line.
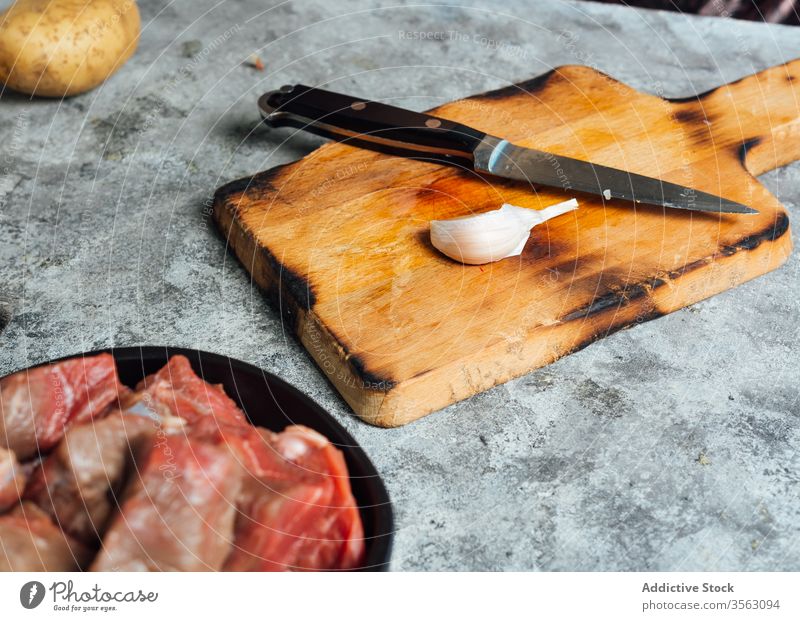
339	240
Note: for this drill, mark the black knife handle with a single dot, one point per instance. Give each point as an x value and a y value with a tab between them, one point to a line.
370	124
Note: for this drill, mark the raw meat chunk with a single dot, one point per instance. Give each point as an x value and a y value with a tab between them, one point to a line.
12	479
178	513
252	447
314	453
175	390
282	528
308	521
29	541
77	484
37	405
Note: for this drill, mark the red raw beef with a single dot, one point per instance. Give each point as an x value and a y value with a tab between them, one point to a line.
205	490
175	390
282	528
178	511
29	541
12	479
37	405
78	482
251	446
305	520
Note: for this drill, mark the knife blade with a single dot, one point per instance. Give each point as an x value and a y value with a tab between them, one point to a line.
396	131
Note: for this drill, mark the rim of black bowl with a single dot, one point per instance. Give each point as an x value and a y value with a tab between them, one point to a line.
375	507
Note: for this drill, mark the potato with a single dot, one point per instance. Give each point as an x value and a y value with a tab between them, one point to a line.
64	47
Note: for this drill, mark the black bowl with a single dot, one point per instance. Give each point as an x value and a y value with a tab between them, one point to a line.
270	402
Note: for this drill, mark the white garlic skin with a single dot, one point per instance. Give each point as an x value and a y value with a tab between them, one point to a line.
491	236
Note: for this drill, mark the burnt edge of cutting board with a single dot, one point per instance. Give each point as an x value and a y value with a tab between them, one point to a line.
292	295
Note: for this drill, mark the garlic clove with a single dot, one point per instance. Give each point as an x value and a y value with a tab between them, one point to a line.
491	236
481	238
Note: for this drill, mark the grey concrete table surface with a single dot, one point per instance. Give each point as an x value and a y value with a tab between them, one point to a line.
671	446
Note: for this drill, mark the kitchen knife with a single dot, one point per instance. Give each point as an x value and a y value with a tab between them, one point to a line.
380	127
